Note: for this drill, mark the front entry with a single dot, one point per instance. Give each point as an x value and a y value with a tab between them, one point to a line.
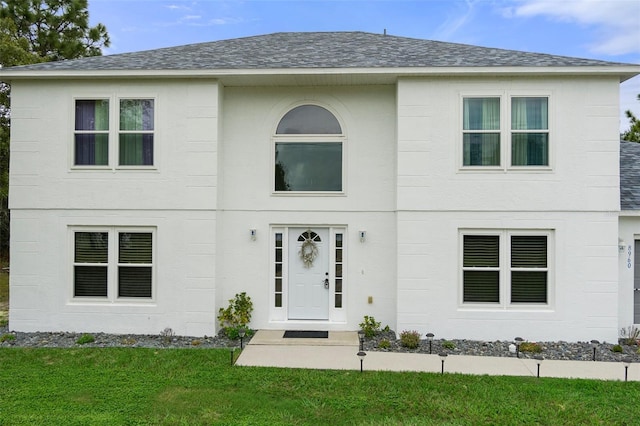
308	273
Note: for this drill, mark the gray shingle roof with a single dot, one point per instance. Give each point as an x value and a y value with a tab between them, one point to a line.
316	50
629	175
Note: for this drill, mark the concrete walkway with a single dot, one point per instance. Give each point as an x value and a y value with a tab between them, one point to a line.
268	349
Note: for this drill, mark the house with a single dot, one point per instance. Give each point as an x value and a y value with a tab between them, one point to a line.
466	191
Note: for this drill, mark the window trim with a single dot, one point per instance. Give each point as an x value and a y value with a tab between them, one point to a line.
505	131
308	138
114	133
505	269
113	264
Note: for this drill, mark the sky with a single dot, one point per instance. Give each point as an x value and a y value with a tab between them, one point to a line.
599	29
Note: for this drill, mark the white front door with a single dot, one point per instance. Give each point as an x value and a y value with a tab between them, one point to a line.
309	273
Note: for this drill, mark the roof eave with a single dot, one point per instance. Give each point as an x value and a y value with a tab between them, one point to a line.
623	72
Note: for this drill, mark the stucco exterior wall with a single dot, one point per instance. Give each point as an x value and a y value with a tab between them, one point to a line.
176	198
247	200
629	232
576	199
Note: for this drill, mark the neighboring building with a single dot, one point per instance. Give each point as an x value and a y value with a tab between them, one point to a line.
629	232
466	191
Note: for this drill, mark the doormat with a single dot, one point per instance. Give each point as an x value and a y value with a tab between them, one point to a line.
296	334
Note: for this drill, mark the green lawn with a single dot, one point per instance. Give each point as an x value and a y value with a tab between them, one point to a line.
198	386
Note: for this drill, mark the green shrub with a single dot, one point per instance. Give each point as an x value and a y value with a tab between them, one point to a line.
447	344
370	326
530	347
85	338
410	339
384	344
617	349
7	337
630	335
236	315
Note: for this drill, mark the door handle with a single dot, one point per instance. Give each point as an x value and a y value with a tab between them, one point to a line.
326	283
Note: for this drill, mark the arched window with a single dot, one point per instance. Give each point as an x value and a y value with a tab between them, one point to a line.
308	151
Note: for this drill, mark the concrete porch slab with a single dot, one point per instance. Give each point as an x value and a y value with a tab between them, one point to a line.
274	337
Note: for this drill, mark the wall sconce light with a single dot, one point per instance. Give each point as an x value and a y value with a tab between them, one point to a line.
253	233
363	236
621	245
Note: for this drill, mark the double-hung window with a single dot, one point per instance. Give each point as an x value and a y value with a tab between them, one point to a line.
529	131
127	131
113	264
91	136
523	121
481	132
506	268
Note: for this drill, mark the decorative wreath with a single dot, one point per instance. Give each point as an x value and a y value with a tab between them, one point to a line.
308	252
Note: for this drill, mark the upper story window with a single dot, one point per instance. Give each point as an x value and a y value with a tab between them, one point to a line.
95	132
92	133
485	127
308	151
136	132
529	132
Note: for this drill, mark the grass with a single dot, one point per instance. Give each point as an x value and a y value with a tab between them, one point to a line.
193	386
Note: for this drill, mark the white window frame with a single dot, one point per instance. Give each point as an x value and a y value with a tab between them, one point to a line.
505	269
308	138
112	264
505	130
114	132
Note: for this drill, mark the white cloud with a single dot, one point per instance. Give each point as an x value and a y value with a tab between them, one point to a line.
449	27
616	22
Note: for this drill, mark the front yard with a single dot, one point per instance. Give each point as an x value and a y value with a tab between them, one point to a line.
199	386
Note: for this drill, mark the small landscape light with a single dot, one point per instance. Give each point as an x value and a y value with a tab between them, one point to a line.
443	357
361	339
361	355
627	362
539	359
241	332
518	342
430	339
594	344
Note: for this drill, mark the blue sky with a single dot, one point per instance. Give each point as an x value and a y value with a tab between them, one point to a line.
601	29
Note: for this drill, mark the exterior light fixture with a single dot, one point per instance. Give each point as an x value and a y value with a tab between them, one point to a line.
539	359
241	332
253	233
430	339
518	341
361	339
594	345
443	357
361	355
363	236
627	362
622	245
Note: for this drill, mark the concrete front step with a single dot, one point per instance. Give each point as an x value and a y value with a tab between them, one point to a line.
275	337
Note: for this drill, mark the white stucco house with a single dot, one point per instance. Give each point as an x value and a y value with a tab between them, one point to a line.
466	191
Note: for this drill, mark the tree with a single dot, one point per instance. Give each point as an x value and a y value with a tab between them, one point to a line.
633	134
34	31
